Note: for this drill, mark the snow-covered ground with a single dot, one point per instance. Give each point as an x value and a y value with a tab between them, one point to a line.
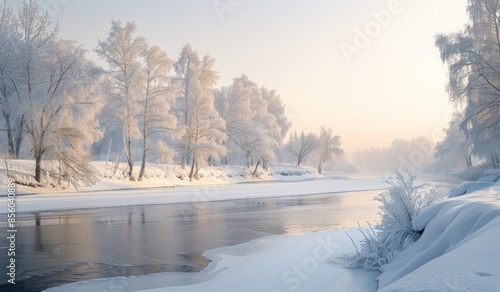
458	250
156	176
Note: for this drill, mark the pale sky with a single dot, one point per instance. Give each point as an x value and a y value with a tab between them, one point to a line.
394	87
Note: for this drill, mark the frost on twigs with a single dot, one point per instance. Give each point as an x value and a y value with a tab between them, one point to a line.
400	203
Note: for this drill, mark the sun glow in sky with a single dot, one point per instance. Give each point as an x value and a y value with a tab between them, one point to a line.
391	86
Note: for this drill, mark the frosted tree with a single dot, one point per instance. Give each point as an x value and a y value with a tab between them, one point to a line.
303	145
204	128
58	89
456	144
329	145
122	51
9	40
473	58
280	122
249	124
158	95
187	69
76	100
256	122
238	115
276	108
23	37
264	134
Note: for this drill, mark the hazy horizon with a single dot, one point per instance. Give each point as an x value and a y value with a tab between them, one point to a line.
392	87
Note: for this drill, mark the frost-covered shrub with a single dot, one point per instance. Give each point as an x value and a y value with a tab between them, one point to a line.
400	203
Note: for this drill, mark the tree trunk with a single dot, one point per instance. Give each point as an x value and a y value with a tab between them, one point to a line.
320	167
130	160
248	159
183	162
144	148
38	166
10	139
131	170
109	150
468	160
192	171
256	167
143	165
19	137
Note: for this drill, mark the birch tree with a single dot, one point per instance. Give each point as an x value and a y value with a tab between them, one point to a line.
255	121
204	128
186	69
158	95
122	50
8	102
54	86
59	93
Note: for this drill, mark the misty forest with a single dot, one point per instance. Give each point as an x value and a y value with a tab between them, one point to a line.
62	110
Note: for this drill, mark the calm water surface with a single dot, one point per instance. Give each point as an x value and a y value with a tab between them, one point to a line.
55	248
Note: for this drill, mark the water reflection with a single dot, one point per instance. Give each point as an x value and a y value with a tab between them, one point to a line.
54	248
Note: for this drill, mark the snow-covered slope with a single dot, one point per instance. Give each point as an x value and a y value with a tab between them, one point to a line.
156	175
488	179
458	250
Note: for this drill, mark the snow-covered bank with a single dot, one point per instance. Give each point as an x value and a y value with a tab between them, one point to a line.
458	250
279	263
181	194
156	175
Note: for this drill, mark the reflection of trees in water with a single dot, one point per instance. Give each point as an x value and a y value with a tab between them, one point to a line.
38	234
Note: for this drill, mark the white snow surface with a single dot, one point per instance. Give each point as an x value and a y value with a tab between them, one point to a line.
278	263
156	176
489	178
458	250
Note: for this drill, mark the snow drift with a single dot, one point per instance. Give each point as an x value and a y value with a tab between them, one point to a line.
458	250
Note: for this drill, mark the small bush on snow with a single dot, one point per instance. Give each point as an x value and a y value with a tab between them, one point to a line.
400	203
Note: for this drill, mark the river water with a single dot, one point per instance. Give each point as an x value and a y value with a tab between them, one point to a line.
59	247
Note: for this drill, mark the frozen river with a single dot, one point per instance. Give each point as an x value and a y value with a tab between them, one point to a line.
59	247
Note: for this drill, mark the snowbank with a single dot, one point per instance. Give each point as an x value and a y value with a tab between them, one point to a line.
156	176
489	178
458	250
279	263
